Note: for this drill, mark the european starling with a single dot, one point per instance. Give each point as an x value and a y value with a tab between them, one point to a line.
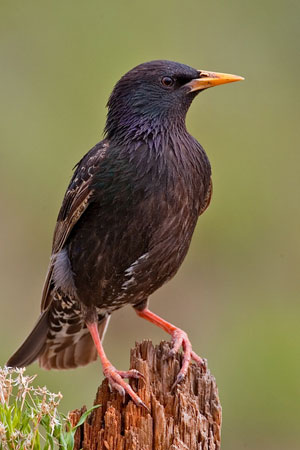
126	221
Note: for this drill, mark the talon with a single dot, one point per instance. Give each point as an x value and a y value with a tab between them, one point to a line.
142	376
114	376
171	353
133	373
115	379
202	362
141	403
137	374
180	339
118	388
180	377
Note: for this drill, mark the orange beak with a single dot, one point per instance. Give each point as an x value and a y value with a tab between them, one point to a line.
210	79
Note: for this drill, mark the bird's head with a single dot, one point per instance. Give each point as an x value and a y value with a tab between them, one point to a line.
156	93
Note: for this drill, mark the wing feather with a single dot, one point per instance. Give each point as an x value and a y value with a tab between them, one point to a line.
78	197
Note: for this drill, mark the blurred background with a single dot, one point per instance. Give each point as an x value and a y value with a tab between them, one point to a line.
237	293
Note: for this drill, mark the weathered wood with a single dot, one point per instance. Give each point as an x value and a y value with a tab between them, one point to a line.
188	418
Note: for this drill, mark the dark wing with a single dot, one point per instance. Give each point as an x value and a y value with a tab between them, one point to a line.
77	198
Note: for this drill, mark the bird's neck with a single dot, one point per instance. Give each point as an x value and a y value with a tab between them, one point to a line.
161	148
125	129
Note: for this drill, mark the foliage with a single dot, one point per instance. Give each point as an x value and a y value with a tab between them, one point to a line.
29	418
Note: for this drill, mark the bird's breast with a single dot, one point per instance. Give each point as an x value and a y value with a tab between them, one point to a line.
136	233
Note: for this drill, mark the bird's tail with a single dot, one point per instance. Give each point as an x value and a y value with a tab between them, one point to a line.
69	350
63	344
34	344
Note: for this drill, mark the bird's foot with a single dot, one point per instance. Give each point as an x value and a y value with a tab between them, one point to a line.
114	376
180	339
115	379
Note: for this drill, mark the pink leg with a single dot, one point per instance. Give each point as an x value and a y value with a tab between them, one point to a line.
179	338
114	376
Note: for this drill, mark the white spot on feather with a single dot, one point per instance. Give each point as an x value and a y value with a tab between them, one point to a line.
130	271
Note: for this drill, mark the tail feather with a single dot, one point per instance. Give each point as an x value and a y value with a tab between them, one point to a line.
33	346
63	343
70	351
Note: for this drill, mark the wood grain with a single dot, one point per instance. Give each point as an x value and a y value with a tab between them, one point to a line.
187	418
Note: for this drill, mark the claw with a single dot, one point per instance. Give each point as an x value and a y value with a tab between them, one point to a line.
115	379
133	373
179	338
141	403
178	380
170	354
201	362
114	376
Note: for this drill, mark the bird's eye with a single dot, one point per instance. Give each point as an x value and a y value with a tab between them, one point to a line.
167	81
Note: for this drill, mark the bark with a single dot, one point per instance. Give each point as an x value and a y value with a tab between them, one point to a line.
187	418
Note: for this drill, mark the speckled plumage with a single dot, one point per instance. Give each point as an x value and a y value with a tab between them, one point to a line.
127	217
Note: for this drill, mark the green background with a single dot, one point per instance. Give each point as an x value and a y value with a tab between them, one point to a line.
237	293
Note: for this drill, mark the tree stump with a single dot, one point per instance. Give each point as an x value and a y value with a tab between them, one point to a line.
187	418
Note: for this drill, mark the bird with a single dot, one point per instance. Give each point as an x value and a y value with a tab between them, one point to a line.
126	222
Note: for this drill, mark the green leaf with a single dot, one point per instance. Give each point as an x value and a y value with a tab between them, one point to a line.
84	416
